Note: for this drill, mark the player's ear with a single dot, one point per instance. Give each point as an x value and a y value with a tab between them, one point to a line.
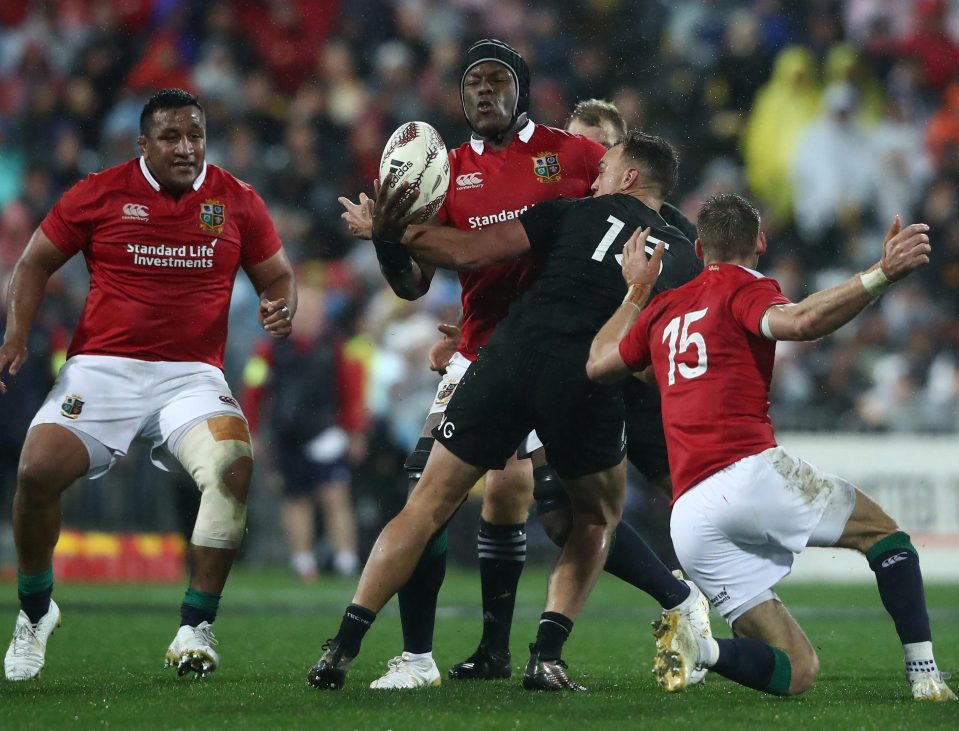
699	249
142	144
761	244
629	178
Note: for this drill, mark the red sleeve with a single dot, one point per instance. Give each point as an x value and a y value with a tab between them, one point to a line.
750	302
634	348
260	240
592	153
351	386
69	225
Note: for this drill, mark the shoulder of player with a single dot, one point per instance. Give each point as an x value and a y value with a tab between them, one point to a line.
112	178
566	142
221	178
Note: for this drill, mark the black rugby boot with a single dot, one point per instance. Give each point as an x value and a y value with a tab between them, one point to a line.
329	672
483	665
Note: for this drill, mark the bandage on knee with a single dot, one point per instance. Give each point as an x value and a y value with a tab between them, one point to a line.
206	452
548	491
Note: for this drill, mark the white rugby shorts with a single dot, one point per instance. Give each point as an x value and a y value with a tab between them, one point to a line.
737	532
116	400
444	392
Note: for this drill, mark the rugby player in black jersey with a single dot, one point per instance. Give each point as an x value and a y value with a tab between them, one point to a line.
532	375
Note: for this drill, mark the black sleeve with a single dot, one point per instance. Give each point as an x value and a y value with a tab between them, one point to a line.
542	222
674	217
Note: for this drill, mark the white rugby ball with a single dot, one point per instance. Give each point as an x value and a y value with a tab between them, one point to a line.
415	153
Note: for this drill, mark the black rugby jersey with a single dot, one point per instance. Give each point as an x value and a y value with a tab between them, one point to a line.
581	282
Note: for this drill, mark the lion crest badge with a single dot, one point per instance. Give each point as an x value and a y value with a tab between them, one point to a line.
546	167
212	216
72	406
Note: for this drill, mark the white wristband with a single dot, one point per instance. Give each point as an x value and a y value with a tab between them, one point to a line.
875	281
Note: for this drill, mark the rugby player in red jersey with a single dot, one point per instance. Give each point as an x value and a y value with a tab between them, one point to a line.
163	236
743	506
509	164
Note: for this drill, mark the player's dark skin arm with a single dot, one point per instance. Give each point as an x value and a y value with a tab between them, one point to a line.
408	278
39	260
274	282
444	246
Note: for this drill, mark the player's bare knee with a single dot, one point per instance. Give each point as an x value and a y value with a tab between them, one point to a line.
217	455
557	524
502	505
805	668
42	480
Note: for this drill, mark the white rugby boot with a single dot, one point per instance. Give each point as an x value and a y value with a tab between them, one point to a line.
697	614
28	648
192	651
930	687
406	673
677	636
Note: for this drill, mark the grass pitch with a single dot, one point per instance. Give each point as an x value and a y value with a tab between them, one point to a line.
104	665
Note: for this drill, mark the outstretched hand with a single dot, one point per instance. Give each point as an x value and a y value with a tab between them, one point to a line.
637	269
358	216
904	249
391	212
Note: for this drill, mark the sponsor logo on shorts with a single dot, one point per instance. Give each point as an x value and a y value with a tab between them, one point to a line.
469	180
721	597
447	428
135	212
230	400
894	559
72	406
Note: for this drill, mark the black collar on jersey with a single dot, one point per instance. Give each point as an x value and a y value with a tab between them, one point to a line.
490	49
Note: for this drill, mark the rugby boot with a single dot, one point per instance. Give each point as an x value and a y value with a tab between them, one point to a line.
547	674
406	673
483	665
329	672
192	651
931	687
697	615
28	648
677	651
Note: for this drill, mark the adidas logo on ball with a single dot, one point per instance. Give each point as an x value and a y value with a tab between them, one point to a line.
415	153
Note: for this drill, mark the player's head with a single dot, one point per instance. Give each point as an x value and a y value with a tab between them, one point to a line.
640	163
494	88
728	227
597	120
173	138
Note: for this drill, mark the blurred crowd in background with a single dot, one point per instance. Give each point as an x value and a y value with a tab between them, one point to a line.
832	115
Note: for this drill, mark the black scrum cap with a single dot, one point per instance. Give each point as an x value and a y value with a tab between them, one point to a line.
490	49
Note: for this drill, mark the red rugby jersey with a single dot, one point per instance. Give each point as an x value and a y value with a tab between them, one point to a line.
713	368
161	268
490	186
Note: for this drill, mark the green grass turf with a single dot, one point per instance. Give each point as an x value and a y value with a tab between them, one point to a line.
104	667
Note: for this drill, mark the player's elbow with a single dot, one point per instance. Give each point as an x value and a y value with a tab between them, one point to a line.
800	327
598	372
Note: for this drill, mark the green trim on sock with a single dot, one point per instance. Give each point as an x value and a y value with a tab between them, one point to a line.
34	584
898	541
437	545
201	600
782	673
